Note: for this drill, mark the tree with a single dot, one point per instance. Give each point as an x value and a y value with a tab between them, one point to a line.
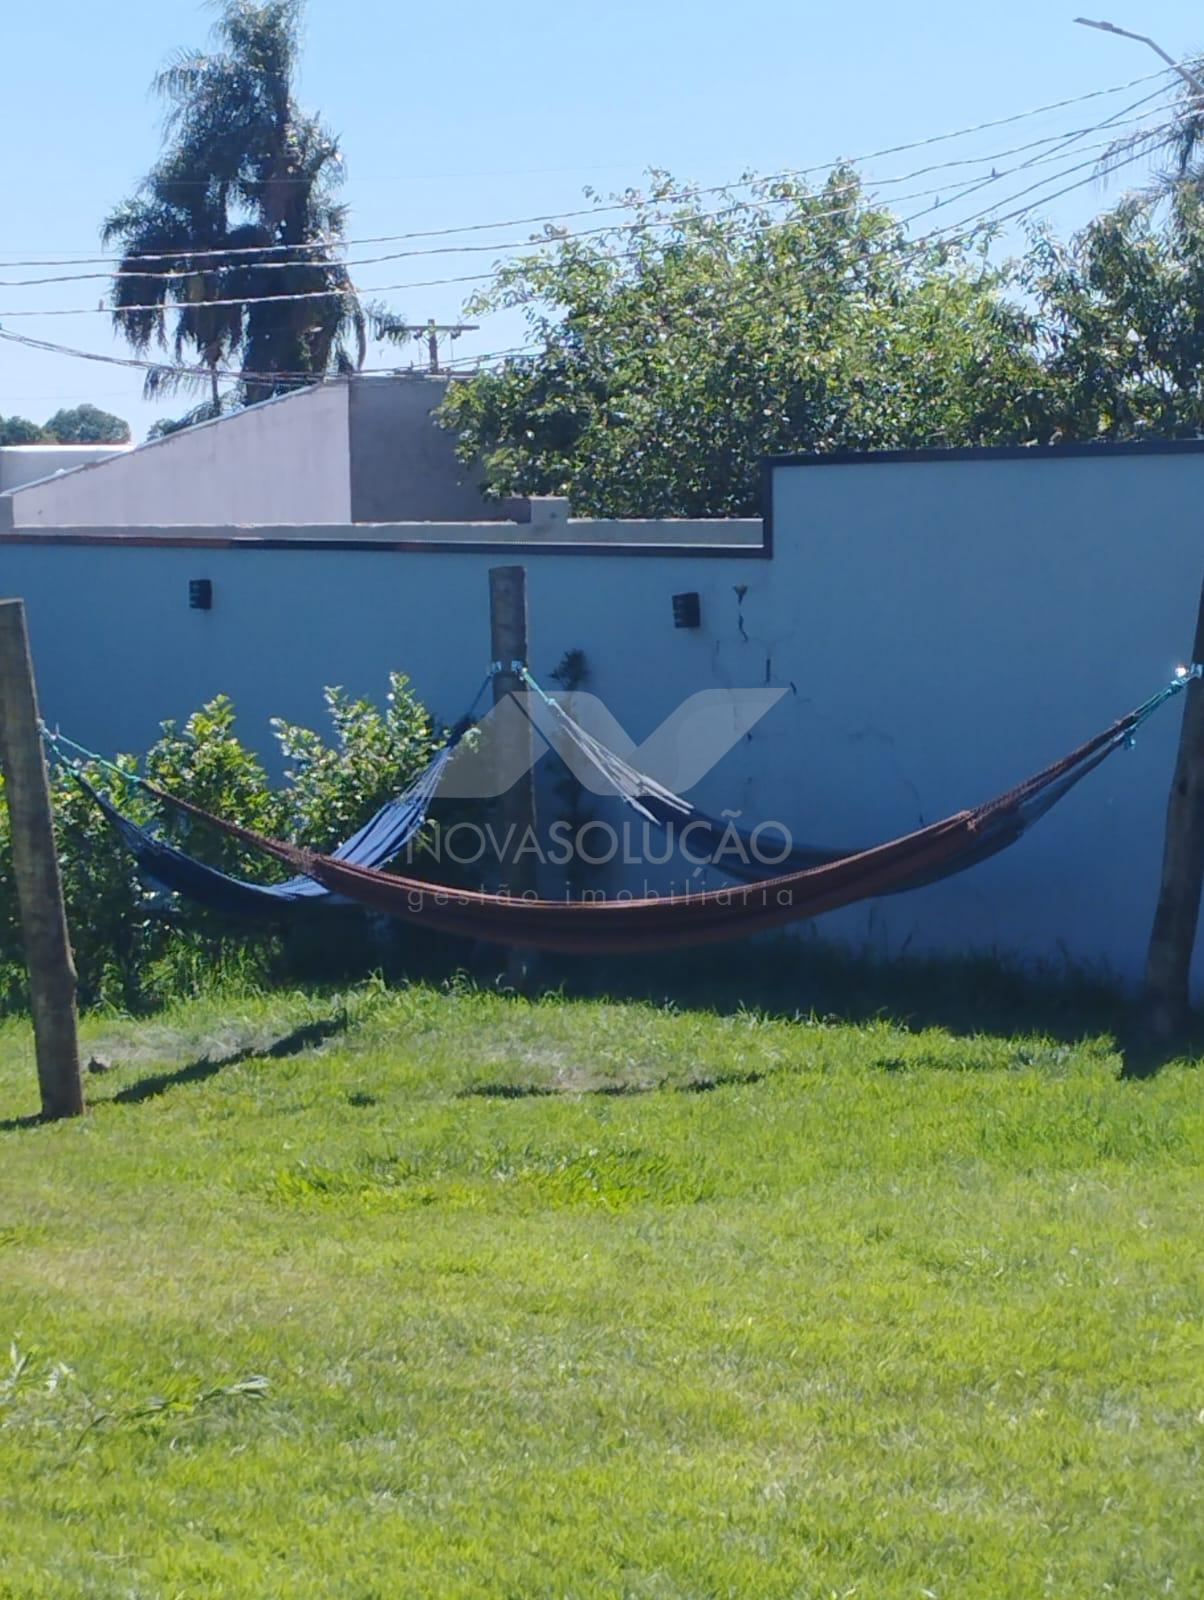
19	430
87	424
682	346
1121	322
207	411
1176	144
240	207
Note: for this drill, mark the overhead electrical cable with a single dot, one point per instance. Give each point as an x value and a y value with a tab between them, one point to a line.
975	225
858	185
683	223
688	192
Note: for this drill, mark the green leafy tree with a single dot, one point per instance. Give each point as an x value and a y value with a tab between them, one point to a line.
19	430
87	424
1121	320
374	755
241	206
205	762
680	347
206	411
135	946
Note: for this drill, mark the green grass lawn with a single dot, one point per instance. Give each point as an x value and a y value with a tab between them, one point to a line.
443	1293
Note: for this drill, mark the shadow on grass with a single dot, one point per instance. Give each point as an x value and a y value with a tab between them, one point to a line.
291	1044
789	978
33	1120
1144	1055
543	1091
792	978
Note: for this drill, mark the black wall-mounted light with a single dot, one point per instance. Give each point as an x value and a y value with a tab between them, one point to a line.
200	594
687	611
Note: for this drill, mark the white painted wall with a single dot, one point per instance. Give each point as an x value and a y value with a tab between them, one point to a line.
944	630
26	463
361	451
284	461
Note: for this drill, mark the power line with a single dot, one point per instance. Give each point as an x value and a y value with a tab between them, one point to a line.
970	228
685	222
964	232
1046	199
171	276
975	226
229	375
686	193
203	373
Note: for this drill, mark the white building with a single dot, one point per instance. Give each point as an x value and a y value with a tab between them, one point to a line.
366	450
21	464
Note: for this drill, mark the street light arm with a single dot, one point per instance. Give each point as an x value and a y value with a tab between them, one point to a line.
1143	38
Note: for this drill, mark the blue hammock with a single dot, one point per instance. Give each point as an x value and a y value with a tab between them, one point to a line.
381	838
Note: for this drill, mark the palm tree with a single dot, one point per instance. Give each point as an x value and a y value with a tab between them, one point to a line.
1181	138
239	207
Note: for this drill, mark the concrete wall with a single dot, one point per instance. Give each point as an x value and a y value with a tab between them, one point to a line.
27	463
404	467
942	628
961	622
282	461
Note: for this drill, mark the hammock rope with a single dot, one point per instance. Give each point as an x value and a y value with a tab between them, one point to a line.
733	849
631	925
635	788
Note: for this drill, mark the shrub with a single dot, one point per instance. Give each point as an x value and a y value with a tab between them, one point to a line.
375	754
135	947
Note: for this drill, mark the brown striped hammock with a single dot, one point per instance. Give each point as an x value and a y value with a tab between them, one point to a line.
629	925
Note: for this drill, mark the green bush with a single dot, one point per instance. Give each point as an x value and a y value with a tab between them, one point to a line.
136	948
375	754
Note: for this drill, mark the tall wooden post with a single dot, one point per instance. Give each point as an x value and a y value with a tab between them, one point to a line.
36	870
516	805
1168	966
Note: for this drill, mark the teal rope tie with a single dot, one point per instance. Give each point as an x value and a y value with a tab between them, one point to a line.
1183	677
524	674
57	741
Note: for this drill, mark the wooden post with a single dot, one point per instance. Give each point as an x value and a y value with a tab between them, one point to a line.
36	870
516	805
1168	965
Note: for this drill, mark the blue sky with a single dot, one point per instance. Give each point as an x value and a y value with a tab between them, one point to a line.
468	112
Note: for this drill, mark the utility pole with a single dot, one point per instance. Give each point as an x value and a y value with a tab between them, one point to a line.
516	805
36	871
431	332
1188	77
1168	965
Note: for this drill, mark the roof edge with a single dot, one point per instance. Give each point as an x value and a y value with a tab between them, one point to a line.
1076	450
